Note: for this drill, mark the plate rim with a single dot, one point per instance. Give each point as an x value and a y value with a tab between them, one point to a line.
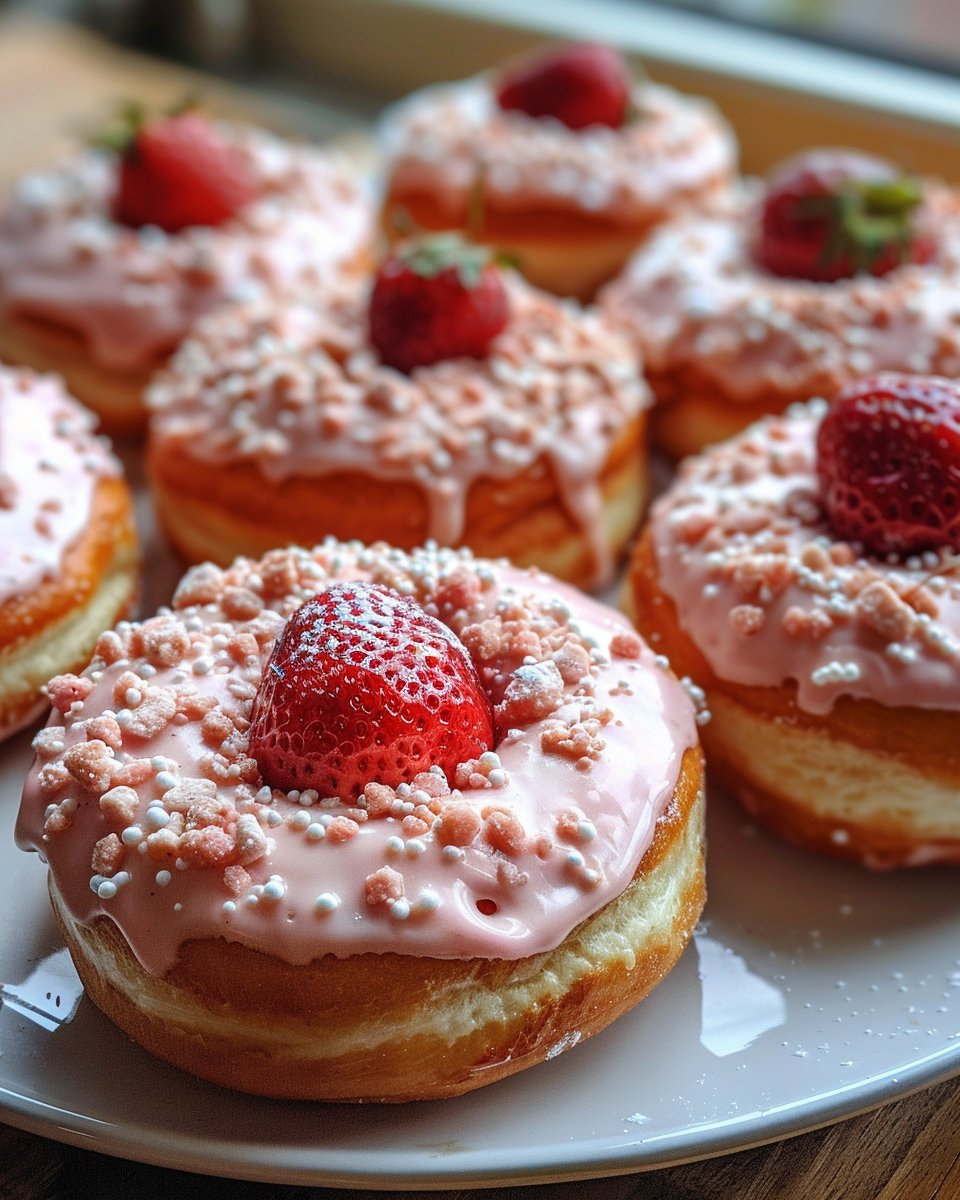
235	1159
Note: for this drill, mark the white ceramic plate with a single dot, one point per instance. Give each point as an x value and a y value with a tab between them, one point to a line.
813	990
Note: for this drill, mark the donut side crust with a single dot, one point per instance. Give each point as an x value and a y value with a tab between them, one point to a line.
53	628
868	782
692	411
219	512
392	1027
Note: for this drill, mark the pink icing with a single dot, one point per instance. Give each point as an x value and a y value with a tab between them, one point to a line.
693	297
50	464
769	595
439	140
297	390
544	831
133	293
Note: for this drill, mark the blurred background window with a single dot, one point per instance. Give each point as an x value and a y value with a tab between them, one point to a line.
920	32
882	74
924	32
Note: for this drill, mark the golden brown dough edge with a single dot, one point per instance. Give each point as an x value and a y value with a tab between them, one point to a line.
866	782
393	1027
692	411
53	628
222	512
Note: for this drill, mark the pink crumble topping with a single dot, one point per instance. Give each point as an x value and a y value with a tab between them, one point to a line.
383	886
66	690
108	855
156	753
703	314
815	609
557	385
132	294
440	140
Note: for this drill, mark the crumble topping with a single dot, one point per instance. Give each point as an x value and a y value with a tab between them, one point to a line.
769	594
295	390
134	293
703	313
442	139
154	736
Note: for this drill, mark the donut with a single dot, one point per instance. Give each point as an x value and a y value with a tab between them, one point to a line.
408	940
103	304
725	340
829	669
569	205
279	423
68	551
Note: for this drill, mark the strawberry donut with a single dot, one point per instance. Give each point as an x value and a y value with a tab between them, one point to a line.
562	161
107	259
68	556
357	824
451	403
836	267
804	574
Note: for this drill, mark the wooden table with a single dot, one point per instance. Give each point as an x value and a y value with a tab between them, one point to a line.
909	1150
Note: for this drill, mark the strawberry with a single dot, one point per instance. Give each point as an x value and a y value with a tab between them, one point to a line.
436	298
832	214
888	461
365	686
176	171
580	85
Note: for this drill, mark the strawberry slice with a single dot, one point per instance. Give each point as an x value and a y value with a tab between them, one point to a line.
579	85
178	171
436	298
888	461
833	214
365	686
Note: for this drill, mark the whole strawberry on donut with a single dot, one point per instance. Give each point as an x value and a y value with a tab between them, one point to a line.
888	460
579	85
565	157
177	170
436	298
832	214
352	824
364	683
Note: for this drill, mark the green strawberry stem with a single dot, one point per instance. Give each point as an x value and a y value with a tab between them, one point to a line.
866	220
429	256
131	116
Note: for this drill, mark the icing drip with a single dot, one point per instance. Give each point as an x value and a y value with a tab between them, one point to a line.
297	391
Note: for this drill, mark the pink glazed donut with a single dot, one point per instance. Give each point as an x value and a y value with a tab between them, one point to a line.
419	941
68	547
830	673
725	342
568	205
277	423
103	304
